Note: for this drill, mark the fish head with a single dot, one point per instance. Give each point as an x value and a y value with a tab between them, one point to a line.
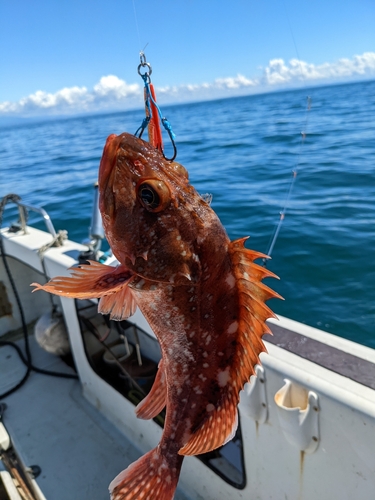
153	218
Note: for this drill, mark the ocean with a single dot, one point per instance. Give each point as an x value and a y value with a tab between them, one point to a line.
243	151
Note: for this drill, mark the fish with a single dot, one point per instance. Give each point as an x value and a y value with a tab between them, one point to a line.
201	293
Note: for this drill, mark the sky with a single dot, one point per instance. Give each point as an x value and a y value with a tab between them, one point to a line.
76	56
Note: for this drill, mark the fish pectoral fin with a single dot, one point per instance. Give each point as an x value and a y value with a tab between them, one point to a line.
155	400
88	281
216	430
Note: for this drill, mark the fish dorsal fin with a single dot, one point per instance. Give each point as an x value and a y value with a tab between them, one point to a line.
253	311
155	400
219	428
220	424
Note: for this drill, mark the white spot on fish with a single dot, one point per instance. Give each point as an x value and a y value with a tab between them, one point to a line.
246	276
202	377
197	390
191	334
178	238
231	280
183	253
208	339
223	377
232	327
210	407
140	284
206	316
205	354
205	365
220	354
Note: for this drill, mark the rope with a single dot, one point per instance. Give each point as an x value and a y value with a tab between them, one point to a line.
58	241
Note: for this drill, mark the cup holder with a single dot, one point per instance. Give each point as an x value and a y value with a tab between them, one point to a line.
298	412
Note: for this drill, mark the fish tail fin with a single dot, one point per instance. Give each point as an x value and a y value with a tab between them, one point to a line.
149	477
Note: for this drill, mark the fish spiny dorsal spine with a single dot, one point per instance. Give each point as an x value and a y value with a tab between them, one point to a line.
253	311
247	334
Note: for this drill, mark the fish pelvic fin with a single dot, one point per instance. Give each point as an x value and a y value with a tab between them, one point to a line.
155	400
95	280
150	477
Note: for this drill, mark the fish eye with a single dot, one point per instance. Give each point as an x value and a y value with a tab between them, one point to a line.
154	195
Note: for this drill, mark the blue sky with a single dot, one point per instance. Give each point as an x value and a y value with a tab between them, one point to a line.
81	55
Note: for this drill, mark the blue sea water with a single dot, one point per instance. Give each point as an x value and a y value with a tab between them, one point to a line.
243	150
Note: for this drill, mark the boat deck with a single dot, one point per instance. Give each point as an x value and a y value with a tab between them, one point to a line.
52	425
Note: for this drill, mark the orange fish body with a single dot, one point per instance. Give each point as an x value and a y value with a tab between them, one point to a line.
201	294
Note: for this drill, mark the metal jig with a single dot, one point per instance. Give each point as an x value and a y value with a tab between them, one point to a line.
153	113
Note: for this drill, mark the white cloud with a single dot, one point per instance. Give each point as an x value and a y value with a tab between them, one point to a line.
278	72
105	94
113	93
113	87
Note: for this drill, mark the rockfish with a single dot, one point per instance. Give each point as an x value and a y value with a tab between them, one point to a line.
201	294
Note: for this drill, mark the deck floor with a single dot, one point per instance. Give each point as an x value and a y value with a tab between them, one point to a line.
53	426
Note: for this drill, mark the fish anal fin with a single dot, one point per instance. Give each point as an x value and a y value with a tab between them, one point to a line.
88	281
155	400
216	430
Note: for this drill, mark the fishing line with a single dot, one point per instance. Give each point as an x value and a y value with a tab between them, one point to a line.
291	185
294	43
275	235
136	24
